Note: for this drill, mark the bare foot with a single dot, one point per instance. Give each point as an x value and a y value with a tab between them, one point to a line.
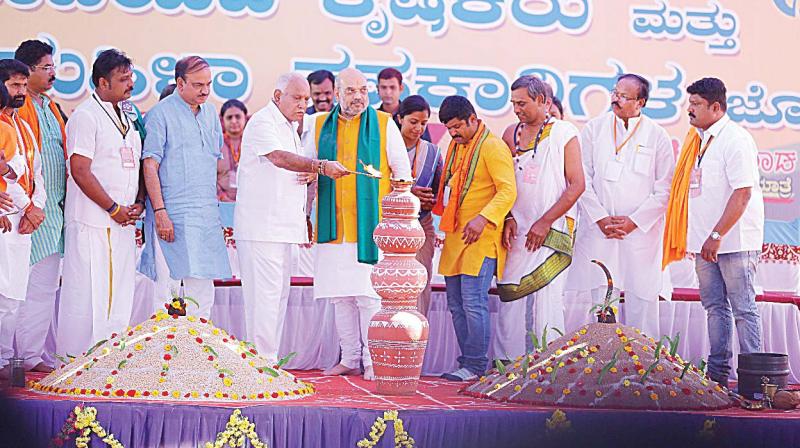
42	367
340	369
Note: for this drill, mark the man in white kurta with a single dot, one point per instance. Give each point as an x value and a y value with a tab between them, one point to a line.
100	210
540	229
270	214
629	163
338	274
21	180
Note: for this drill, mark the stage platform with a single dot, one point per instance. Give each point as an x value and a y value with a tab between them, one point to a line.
344	410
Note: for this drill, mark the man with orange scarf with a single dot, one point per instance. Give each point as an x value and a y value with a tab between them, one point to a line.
26	186
716	212
47	242
477	191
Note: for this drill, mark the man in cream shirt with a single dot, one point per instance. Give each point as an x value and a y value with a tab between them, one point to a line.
629	162
270	215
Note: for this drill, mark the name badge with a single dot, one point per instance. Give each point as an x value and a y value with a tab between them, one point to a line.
613	171
128	162
530	175
695	182
446	194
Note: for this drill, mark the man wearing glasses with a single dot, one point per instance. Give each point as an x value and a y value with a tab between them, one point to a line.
628	162
45	119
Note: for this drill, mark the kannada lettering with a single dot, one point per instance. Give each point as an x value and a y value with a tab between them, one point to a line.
231	74
755	109
789	7
718	28
378	17
234	8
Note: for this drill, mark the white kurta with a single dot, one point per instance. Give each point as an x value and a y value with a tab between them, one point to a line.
99	254
634	183
337	272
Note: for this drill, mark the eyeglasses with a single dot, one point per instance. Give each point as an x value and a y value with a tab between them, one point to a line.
622	97
45	68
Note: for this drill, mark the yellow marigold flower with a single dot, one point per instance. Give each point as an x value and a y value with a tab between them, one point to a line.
69	381
165	366
167	348
587	370
636	393
497	386
227	381
626	383
704	382
482	379
654	396
635	357
623	339
110	380
659	368
193	332
195	394
538	390
533	376
281	393
191	318
574	360
558	352
138	347
517	365
618	330
162	380
613	370
590	360
672	393
700	392
676	379
517	388
155	328
652	341
176	394
252	396
640	371
106	350
598	393
570	342
583	331
593	349
252	363
215	332
235	396
645	348
548	369
566	391
218	394
561	364
628	348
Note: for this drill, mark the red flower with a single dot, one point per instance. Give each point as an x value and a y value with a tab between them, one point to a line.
93	391
206	395
261	396
253	351
224	395
167	357
174	316
164	394
131	393
108	386
83	391
113	335
687	391
244	356
222	375
274	395
94	359
130	333
78	373
536	356
625	369
571	370
170	336
549	391
667	381
129	355
224	340
233	338
649	387
106	393
568	362
163	373
148	339
199	340
203	320
114	372
210	358
146	393
115	344
187	395
119	392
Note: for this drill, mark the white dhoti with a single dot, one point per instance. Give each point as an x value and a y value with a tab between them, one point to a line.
15	252
199	289
266	283
536	279
97	287
339	276
425	256
36	313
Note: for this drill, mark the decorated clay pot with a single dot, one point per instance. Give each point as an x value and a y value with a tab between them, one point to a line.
398	333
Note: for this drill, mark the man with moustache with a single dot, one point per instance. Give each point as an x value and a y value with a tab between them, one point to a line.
476	193
47	242
321	84
348	209
629	162
184	244
539	231
103	203
716	212
21	177
270	214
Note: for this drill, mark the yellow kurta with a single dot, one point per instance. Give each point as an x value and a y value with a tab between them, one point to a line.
491	195
347	155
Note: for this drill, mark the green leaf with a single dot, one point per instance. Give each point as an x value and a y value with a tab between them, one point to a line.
211	350
526	364
702	365
94	347
609	365
500	366
535	341
63	360
544	337
560	333
685	369
647	372
554	373
225	371
174	349
595	309
673	344
191	300
269	370
286	359
122	364
658	348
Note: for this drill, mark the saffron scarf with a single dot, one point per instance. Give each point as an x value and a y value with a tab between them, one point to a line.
28	113
678	206
461	176
367	192
26	146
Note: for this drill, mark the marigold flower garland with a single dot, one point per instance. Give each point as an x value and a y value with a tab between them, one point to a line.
401	437
86	423
236	430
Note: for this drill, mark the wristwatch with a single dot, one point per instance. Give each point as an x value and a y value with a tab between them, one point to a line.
716	236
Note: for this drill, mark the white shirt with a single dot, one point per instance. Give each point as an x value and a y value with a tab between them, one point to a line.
93	131
270	203
20	166
729	163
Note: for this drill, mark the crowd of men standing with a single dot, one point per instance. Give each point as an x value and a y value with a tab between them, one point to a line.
531	206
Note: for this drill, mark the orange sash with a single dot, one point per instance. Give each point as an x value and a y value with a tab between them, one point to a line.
28	113
678	206
26	146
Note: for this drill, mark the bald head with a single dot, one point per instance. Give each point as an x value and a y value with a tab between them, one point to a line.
291	95
351	92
